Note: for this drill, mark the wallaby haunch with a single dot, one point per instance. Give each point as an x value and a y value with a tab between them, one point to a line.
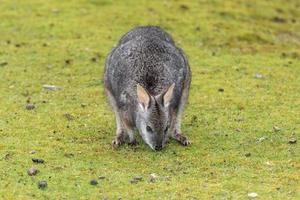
147	80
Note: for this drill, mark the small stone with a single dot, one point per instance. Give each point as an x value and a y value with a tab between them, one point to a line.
238	130
38	160
30	106
153	177
278	20
101	177
133	181
42	185
221	89
136	179
55	10
69	155
32	171
292	141
262	139
51	87
252	195
276	128
83	105
2	64
248	154
68	116
7	156
94	182
269	163
184	7
32	152
68	61
258	76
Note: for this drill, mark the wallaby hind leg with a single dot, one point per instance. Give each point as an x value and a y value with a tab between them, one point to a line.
120	132
177	134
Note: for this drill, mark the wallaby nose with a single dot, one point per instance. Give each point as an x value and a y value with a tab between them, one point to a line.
158	147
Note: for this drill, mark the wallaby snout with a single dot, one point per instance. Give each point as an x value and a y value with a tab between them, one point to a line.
158	147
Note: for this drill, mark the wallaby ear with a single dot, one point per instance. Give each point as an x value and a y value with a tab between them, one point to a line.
167	96
143	97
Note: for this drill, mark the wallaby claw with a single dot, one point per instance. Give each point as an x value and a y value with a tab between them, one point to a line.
182	139
117	142
186	142
134	142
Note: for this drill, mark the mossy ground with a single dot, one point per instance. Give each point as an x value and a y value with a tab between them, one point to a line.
64	43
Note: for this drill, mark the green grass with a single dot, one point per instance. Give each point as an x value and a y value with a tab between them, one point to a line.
227	43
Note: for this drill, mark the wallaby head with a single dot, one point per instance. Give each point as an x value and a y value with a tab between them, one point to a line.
153	117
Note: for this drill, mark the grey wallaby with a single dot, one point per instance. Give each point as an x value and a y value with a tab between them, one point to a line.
147	80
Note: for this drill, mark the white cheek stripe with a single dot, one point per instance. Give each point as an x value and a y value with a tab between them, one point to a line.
146	139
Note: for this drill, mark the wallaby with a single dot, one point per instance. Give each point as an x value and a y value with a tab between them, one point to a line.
147	80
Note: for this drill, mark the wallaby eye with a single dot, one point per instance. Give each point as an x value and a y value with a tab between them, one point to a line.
166	129
149	129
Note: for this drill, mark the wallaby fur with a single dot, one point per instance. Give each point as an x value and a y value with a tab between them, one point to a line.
147	80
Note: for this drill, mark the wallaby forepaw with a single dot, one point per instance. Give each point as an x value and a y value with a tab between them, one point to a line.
134	142
182	139
185	142
117	142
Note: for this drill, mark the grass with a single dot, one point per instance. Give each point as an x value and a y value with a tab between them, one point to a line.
65	43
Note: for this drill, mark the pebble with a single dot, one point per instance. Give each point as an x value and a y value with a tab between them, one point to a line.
83	105
248	154
258	76
101	177
37	160
262	139
153	177
292	141
238	130
276	128
136	179
32	152
3	64
94	182
252	195
184	7
30	106
51	87
68	116
68	61
32	171
42	184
